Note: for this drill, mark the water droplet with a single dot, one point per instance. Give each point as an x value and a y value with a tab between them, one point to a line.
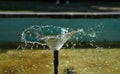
47	66
67	62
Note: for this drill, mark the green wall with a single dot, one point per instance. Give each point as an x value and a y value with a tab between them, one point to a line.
105	29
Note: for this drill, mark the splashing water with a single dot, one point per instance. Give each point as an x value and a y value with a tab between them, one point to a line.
55	37
52	36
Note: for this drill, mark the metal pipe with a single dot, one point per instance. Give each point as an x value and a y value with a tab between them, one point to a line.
56	62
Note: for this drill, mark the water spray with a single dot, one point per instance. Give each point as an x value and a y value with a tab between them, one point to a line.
53	37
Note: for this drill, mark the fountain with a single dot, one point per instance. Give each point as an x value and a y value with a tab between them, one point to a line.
52	36
81	60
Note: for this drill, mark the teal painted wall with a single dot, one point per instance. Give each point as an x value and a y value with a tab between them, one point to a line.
106	29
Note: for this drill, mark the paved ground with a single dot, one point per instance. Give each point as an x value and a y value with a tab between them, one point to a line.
52	7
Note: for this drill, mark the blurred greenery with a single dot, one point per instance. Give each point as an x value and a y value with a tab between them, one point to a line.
84	61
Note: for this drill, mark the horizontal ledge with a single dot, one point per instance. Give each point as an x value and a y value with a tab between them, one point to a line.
59	13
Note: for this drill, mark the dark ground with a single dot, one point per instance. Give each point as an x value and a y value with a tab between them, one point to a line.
99	6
